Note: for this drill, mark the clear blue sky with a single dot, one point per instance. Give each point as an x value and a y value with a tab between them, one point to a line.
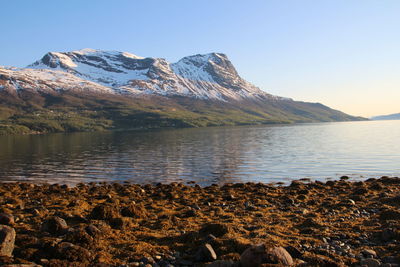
342	53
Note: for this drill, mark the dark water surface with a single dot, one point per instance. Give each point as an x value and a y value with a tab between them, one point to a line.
207	155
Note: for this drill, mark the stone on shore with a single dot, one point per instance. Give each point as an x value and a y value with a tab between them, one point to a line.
7	240
6	219
260	254
55	226
206	253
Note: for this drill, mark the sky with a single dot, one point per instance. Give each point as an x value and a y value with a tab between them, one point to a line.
342	53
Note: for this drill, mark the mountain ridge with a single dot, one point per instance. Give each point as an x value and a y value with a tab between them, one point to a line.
206	76
89	89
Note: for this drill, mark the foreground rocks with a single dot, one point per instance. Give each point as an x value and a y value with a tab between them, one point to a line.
7	239
337	223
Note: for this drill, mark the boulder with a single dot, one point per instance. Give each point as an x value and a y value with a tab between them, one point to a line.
260	254
104	212
134	211
71	252
7	240
55	226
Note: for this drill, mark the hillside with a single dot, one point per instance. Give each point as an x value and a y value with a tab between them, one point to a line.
395	116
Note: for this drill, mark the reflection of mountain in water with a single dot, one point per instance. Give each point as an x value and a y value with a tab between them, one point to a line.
202	155
206	155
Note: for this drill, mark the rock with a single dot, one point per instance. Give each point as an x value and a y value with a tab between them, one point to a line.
369	253
104	212
389	215
71	252
391	259
387	234
134	211
206	253
216	229
79	236
259	254
370	263
360	191
209	239
7	240
92	230
281	256
120	223
184	262
55	226
393	201
351	202
6	219
196	207
148	260
310	223
190	213
294	252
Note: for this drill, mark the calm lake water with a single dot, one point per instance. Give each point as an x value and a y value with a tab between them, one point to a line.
207	155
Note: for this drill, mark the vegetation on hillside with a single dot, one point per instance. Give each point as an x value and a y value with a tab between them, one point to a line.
41	113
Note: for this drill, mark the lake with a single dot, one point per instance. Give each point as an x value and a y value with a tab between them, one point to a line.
278	153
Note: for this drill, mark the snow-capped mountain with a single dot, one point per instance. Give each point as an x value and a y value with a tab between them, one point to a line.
90	90
209	76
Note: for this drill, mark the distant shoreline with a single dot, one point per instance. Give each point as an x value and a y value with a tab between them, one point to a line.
9	130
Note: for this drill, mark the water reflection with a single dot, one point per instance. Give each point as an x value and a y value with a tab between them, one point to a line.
207	155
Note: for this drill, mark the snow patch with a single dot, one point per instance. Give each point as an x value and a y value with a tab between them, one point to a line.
67	61
126	54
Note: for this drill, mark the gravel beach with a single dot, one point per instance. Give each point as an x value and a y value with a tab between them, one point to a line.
334	223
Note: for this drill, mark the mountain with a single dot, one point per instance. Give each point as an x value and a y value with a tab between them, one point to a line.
94	90
395	116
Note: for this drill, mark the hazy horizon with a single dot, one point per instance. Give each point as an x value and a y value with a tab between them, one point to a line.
343	54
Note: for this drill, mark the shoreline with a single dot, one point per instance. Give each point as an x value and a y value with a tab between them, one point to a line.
333	223
161	128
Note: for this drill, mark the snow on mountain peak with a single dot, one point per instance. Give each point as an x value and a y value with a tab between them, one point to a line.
85	51
210	76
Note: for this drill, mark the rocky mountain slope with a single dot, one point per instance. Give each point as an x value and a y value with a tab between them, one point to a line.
93	90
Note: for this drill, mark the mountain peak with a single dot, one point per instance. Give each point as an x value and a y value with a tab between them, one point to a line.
210	75
97	52
67	59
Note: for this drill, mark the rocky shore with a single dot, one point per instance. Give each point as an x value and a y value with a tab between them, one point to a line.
334	223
